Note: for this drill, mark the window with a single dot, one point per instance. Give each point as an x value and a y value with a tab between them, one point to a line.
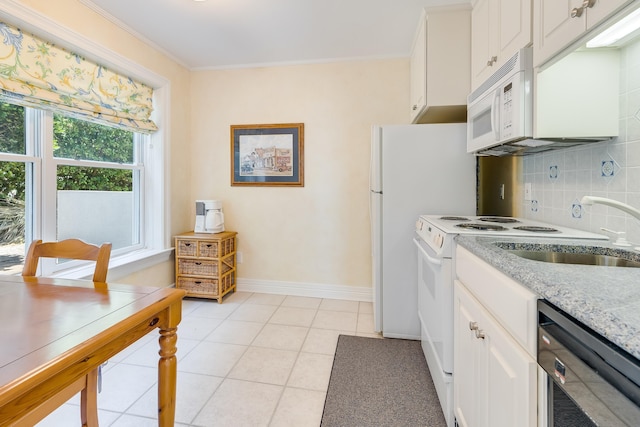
63	177
27	154
97	175
15	177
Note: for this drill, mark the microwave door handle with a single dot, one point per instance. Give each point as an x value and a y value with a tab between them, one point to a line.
495	117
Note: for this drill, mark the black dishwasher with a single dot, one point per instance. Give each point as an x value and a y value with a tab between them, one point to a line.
590	381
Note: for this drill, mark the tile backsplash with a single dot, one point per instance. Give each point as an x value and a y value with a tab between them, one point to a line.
608	169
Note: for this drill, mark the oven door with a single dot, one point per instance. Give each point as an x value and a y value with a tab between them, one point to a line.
435	305
483	124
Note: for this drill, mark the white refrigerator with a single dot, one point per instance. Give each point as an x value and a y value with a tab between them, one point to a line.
415	170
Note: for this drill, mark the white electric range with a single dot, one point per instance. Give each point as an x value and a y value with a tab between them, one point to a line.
436	272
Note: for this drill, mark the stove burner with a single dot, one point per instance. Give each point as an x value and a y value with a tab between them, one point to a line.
500	219
454	218
536	229
484	227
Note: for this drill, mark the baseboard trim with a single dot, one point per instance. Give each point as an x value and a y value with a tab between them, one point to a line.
316	290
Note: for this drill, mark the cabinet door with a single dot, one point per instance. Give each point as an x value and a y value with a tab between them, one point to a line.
495	382
511	380
554	28
469	399
515	27
602	9
481	36
418	69
499	30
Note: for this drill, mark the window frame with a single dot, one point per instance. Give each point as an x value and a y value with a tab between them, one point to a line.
50	164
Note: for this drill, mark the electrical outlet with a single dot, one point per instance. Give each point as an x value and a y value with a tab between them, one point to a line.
239	257
527	191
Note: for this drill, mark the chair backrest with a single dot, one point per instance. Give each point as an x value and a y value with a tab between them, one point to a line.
69	249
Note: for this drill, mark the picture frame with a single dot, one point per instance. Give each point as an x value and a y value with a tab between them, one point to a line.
267	155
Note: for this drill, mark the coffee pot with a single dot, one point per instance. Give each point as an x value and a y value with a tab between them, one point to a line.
209	216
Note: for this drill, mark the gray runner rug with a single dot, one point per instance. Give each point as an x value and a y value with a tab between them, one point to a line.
380	382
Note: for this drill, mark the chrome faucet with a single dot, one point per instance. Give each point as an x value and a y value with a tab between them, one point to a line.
590	200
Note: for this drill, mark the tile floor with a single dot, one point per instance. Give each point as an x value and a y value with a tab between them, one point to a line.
254	360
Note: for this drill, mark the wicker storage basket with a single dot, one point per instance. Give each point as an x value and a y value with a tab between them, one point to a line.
199	286
208	287
186	248
200	267
216	249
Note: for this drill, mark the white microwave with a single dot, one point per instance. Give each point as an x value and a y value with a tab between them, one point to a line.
500	111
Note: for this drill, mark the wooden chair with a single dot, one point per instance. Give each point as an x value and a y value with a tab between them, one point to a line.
69	249
73	249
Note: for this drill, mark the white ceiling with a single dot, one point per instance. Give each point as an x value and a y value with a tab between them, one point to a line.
245	33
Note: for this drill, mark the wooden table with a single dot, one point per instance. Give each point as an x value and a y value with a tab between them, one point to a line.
53	332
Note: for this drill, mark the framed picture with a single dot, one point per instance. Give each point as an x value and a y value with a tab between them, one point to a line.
271	155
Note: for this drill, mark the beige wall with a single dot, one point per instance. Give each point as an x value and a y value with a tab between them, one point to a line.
318	234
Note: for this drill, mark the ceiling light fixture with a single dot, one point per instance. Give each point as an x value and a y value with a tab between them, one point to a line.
617	31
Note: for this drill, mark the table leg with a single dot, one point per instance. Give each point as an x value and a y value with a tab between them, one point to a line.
167	366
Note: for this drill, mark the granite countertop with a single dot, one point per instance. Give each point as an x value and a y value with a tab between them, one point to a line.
607	299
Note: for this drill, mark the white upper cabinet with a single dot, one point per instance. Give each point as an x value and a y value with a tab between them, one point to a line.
418	71
440	66
498	30
558	23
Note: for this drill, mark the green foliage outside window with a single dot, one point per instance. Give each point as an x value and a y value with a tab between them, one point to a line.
81	140
11	141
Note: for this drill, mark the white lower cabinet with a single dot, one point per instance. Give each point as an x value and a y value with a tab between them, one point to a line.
495	379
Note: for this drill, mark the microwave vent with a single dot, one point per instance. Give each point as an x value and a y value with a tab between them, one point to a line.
526	147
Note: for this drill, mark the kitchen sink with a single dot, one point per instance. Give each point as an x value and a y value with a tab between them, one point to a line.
573	258
567	254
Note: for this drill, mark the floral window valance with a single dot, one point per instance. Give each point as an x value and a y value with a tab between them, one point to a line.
37	73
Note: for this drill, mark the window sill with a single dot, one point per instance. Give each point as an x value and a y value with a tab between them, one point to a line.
121	266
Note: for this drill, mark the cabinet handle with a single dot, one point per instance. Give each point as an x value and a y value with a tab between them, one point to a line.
197	263
415	107
576	12
473	326
588	4
480	334
492	61
187	244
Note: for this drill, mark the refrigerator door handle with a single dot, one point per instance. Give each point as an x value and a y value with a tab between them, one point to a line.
429	258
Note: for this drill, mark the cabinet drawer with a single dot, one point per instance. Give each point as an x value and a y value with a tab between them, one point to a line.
201	267
187	248
216	249
210	287
198	286
513	305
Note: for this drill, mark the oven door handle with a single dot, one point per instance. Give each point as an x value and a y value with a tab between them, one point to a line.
429	258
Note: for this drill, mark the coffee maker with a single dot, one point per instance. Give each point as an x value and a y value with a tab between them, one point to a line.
209	216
